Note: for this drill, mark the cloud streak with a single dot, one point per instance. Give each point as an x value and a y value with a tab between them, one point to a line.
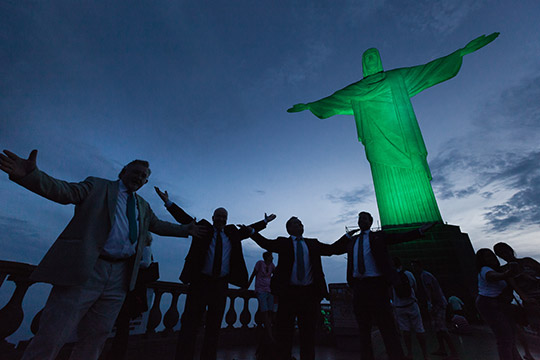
466	167
350	201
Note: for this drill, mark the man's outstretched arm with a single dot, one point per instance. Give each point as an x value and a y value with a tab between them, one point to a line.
176	211
245	232
25	173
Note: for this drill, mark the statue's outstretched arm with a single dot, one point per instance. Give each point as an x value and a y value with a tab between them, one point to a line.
298	108
339	103
478	43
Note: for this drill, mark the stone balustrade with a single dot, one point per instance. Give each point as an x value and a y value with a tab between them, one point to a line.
12	314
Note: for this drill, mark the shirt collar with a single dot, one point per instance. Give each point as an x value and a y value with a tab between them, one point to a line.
295	238
122	188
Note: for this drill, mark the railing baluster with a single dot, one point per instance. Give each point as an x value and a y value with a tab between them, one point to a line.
3	276
245	315
230	318
170	319
11	315
34	326
154	317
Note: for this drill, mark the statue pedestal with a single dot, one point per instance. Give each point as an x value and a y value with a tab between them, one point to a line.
448	254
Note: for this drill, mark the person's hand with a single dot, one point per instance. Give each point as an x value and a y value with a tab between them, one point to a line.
352	232
163	195
298	108
247	229
15	166
197	230
478	43
269	218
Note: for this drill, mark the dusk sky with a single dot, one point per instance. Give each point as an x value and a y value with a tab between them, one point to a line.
200	89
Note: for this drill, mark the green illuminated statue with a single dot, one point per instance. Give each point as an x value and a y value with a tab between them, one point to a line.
388	128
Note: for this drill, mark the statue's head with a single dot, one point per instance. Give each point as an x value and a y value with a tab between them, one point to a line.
371	62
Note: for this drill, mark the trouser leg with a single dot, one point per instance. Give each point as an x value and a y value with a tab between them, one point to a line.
190	322
285	327
385	321
58	322
105	293
307	321
66	308
216	299
120	341
363	318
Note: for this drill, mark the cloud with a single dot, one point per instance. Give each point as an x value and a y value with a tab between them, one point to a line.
350	201
436	16
21	240
524	206
295	69
495	164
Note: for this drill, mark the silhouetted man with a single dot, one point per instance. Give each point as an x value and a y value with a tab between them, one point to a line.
299	283
370	273
213	261
96	259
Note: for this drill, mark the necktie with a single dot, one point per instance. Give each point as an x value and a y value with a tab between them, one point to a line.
361	264
132	218
216	267
300	269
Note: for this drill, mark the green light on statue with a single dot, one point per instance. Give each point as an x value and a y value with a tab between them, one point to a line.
388	128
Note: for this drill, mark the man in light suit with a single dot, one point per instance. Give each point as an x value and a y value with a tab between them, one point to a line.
214	260
370	273
299	284
95	260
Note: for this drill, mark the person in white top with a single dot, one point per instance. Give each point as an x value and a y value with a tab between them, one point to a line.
493	301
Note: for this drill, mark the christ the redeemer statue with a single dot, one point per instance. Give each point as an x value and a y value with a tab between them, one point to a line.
388	128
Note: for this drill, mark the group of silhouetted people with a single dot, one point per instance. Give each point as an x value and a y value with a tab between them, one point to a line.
496	288
96	262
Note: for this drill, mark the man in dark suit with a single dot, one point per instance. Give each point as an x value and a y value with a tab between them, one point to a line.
95	260
299	283
213	261
370	274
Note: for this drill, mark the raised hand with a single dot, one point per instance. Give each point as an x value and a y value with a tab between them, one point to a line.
245	228
352	232
269	218
163	195
298	108
478	43
197	230
15	166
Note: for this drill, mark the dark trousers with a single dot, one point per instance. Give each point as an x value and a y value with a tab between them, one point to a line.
204	293
371	303
303	303
497	314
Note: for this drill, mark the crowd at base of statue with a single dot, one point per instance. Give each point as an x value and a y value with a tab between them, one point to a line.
96	261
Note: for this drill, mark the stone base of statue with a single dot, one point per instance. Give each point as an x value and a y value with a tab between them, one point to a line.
447	253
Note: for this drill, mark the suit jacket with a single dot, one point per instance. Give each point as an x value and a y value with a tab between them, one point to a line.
285	248
72	257
378	242
195	258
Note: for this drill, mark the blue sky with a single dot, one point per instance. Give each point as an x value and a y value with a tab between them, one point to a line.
200	90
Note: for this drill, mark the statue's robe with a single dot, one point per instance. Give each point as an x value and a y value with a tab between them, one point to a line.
388	128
